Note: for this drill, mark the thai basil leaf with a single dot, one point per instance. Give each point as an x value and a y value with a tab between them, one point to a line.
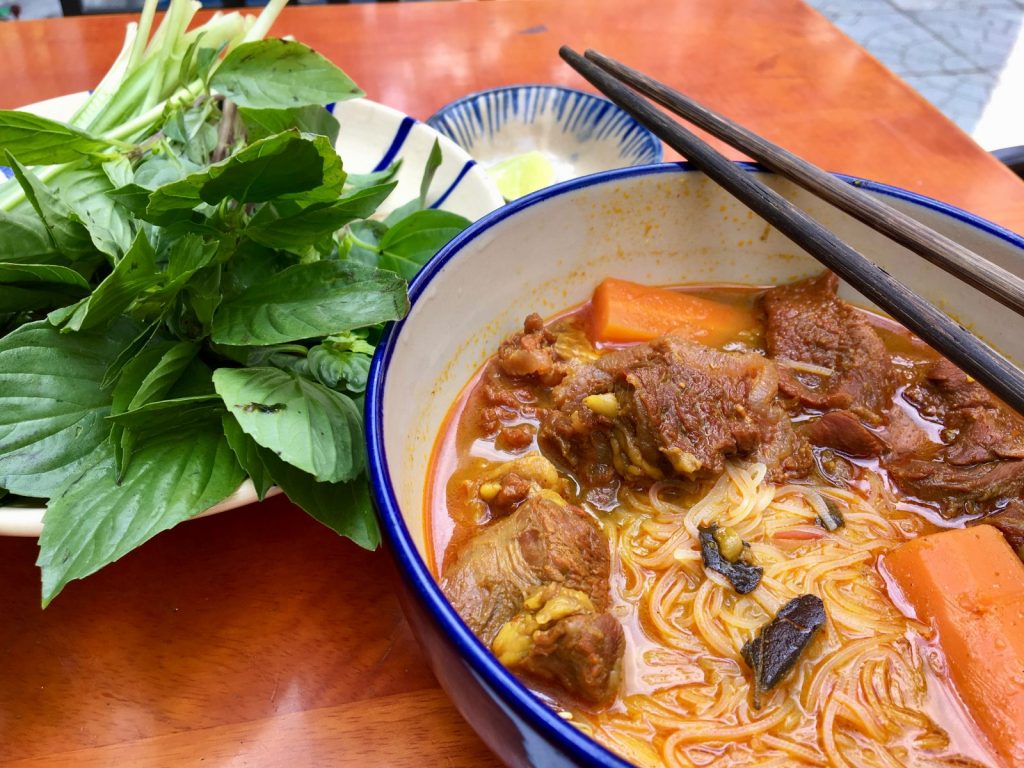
25	239
86	190
69	235
162	416
248	454
311	427
284	165
95	520
345	508
434	160
52	404
132	275
362	180
339	369
308	226
280	74
310	300
38	286
312	119
36	140
408	245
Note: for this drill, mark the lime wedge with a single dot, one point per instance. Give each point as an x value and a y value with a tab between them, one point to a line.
521	174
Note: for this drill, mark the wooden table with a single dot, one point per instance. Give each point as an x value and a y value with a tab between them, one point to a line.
258	638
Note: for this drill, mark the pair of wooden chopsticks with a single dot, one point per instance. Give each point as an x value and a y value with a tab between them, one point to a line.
974	356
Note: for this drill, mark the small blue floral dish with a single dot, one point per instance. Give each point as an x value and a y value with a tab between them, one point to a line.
531	136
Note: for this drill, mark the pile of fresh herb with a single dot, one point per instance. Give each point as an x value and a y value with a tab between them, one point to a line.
190	290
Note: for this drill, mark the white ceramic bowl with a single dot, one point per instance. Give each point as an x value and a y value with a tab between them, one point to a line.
371	137
578	132
657	224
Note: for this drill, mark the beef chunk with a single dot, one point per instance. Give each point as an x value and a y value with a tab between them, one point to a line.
534	587
542	542
581	653
808	323
1010	522
979	468
504	487
972	490
531	353
844	432
671	406
981	428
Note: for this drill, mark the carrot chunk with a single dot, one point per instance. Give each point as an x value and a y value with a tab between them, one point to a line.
970	584
622	311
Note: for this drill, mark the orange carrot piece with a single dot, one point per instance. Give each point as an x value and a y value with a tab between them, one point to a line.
622	311
970	584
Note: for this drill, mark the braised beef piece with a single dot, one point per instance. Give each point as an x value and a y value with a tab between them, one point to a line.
1010	522
980	466
671	406
808	323
543	547
505	487
980	428
531	353
844	432
576	653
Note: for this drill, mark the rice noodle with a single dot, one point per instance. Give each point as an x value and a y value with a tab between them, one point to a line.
856	697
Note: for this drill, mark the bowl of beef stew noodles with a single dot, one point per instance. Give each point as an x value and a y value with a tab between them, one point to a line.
664	492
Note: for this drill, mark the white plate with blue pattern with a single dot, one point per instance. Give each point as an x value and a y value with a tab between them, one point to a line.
579	133
372	136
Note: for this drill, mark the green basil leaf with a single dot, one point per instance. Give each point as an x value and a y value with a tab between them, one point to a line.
248	454
434	160
36	140
24	238
308	226
345	508
339	369
361	242
280	74
38	286
162	376
133	274
129	353
86	190
278	166
95	520
312	119
52	406
314	428
362	180
69	235
310	300
411	242
350	341
157	418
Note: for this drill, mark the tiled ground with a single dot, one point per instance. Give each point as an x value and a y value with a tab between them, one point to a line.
965	56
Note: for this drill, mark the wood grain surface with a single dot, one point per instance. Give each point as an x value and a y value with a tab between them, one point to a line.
256	637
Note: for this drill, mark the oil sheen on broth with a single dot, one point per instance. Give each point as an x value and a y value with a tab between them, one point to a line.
716	598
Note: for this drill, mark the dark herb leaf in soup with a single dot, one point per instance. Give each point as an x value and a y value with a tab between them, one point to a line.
743	576
779	644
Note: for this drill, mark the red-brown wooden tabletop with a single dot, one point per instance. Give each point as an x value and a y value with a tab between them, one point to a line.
257	637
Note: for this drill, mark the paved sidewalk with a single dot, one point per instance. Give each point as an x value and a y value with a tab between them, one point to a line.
965	56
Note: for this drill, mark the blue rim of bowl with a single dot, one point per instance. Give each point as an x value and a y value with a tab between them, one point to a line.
513	693
651	142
